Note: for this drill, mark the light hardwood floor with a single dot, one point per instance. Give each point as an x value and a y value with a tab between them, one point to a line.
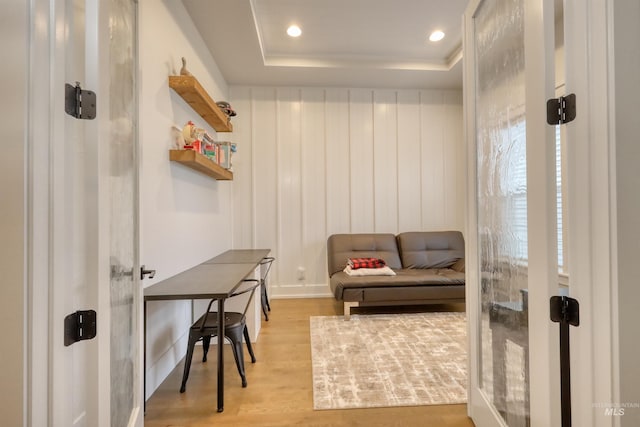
279	391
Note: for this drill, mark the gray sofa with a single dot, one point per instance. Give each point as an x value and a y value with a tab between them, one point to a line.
429	268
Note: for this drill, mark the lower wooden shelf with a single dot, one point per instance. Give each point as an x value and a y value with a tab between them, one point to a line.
201	163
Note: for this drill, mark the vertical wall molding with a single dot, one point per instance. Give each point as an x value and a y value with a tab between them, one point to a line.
340	160
254	202
421	151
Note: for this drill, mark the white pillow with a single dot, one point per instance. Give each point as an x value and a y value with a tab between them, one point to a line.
384	271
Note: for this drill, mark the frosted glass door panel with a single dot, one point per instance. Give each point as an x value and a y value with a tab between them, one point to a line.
502	207
124	213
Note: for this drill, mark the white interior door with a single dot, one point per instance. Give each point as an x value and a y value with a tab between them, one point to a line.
511	223
125	290
75	227
84	253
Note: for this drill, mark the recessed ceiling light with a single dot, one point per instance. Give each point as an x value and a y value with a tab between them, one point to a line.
436	36
294	31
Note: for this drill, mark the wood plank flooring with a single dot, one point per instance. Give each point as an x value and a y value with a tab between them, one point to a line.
279	391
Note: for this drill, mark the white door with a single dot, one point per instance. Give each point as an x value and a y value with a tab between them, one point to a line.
511	229
84	253
124	294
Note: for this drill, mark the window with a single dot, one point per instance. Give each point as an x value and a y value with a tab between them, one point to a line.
518	202
561	198
559	203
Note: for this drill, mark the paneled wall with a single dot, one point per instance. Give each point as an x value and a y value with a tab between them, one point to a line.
316	161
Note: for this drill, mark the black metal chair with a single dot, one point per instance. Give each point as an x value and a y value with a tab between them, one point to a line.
266	261
235	327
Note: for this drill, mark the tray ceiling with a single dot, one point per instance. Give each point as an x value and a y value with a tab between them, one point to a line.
355	43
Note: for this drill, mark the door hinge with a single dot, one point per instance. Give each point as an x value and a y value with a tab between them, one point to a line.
79	103
79	326
564	310
561	110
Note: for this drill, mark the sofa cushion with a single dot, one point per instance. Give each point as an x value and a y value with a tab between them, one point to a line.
433	249
341	281
341	247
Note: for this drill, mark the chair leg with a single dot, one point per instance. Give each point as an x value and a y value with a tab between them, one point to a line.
266	297
264	301
187	362
206	341
249	346
236	346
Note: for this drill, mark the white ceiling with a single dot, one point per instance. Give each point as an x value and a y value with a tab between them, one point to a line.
344	43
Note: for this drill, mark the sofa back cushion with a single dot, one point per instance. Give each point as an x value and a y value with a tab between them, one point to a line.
430	249
341	247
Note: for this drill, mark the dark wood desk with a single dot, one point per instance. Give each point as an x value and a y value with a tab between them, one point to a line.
216	278
239	256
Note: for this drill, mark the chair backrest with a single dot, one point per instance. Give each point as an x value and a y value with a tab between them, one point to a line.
268	260
241	290
251	289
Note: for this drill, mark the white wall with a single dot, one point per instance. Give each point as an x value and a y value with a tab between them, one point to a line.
183	214
316	161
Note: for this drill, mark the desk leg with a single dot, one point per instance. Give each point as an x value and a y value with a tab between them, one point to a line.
221	355
144	358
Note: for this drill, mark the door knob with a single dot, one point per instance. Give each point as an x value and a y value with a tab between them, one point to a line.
145	272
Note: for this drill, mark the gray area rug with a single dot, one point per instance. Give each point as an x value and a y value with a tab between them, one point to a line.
389	360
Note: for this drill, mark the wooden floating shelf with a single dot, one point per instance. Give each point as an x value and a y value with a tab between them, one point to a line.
201	163
194	94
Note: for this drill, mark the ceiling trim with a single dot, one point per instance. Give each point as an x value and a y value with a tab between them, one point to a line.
355	61
256	24
455	57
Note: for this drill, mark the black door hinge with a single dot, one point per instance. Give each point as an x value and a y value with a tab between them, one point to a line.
79	326
561	110
564	310
79	103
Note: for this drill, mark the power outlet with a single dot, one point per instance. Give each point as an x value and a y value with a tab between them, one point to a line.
301	273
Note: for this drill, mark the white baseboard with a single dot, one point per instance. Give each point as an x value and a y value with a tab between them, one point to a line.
300	291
